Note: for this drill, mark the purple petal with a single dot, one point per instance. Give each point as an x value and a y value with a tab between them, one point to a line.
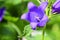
56	10
53	10
24	16
56	3
33	25
30	5
2	10
43	21
43	5
33	16
56	6
40	12
58	0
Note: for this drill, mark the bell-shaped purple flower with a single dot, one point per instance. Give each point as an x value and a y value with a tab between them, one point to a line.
56	7
2	10
36	15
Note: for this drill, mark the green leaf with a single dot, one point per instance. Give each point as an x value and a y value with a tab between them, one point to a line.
27	30
14	2
6	32
15	27
53	20
8	17
35	2
53	27
8	38
56	31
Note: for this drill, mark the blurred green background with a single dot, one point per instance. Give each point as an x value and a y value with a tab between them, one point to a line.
13	28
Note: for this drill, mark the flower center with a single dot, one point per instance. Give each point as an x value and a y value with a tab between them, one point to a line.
37	18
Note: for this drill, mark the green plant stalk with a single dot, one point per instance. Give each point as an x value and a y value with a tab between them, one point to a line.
48	13
43	32
38	1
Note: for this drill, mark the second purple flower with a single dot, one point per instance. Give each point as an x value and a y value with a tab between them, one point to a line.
2	10
56	7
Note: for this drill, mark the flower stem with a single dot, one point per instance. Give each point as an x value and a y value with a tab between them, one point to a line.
43	32
43	35
38	1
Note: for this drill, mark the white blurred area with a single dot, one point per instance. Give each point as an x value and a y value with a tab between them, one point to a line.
34	33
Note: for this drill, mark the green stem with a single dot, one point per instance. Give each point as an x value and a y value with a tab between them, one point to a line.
50	13
43	35
38	1
43	32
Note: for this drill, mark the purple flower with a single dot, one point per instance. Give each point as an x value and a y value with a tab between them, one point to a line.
36	15
2	13
56	7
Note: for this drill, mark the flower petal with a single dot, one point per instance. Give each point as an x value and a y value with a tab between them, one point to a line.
43	21
2	10
53	10
56	2
56	7
32	16
24	16
43	5
30	5
56	10
33	25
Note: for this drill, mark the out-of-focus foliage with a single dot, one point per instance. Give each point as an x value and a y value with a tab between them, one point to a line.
12	26
14	2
